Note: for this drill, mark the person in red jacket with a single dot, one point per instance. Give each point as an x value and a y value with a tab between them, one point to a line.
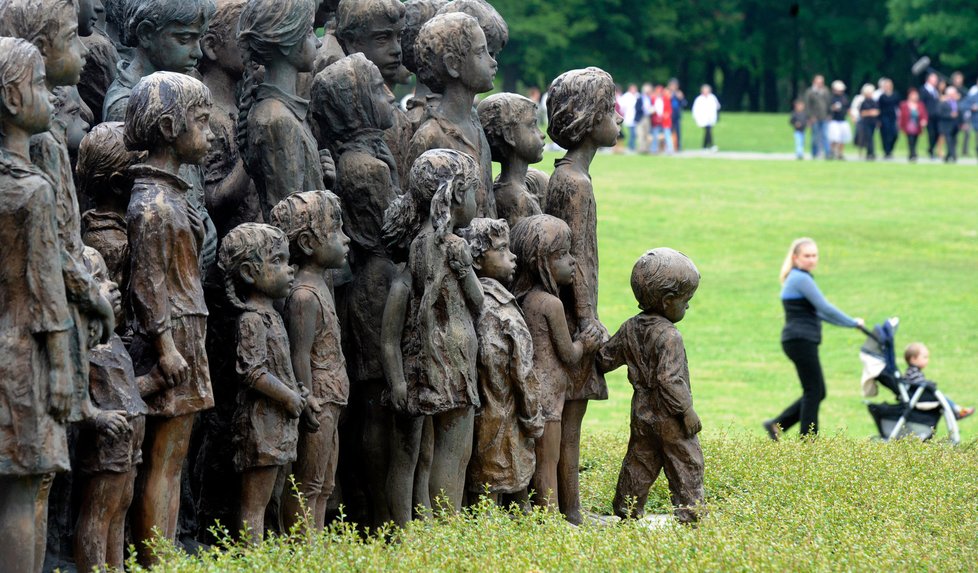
662	119
912	120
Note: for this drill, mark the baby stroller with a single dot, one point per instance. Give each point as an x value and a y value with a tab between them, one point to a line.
920	406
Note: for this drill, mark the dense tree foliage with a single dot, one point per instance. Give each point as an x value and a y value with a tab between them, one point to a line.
759	53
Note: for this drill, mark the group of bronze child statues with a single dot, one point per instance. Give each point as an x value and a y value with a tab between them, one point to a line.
382	336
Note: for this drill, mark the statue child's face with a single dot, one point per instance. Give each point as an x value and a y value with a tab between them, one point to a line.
303	55
33	100
528	140
193	143
108	289
674	306
478	68
331	246
563	265
86	17
383	101
382	45
606	128
174	48
498	262
64	55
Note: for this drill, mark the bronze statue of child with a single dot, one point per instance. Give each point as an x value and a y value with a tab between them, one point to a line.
109	447
232	195
510	123
103	174
454	61
373	28
278	147
582	118
353	108
254	258
664	424
52	26
430	345
417	13
545	265
169	117
313	222
35	363
510	420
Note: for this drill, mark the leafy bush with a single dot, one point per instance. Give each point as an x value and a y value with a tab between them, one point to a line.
824	505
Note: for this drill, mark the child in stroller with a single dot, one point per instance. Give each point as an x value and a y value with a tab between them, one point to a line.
921	404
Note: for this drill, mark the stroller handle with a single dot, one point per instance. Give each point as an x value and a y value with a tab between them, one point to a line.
869	333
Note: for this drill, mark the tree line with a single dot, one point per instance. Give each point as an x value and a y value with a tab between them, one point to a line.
759	54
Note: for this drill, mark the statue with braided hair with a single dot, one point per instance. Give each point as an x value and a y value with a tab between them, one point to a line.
278	147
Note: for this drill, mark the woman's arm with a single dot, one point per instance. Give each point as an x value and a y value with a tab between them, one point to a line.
805	284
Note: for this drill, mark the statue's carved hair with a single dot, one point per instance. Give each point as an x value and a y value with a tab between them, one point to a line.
246	243
501	113
103	156
535	240
481	232
307	211
576	101
161	13
342	101
418	12
354	18
492	23
445	34
159	95
37	21
662	272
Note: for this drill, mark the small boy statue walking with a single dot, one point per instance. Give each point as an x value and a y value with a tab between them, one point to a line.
663	424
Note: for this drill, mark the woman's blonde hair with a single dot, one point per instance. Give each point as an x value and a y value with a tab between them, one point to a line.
789	260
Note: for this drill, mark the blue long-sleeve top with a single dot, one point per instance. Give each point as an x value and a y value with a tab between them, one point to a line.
805	308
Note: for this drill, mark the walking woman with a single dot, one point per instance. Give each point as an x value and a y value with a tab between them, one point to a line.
804	308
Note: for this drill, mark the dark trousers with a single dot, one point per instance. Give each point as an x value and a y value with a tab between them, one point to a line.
888	133
708	137
912	144
932	135
867	136
950	144
804	354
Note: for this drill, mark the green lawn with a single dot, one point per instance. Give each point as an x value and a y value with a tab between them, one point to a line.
895	239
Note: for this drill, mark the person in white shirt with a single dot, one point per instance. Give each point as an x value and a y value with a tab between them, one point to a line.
626	103
706	111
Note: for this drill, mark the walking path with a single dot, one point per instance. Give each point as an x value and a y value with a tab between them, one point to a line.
755	156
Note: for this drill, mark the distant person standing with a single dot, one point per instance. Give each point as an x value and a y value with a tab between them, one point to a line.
817	100
889	103
964	126
949	122
662	120
969	107
912	120
626	102
706	112
678	104
869	114
839	131
643	114
931	98
799	121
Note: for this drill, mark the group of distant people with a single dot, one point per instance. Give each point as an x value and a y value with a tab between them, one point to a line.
653	116
947	112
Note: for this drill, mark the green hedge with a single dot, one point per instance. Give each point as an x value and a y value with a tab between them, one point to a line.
825	505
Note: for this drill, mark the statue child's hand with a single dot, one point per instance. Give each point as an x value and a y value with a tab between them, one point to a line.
329	168
112	422
310	422
59	396
399	397
175	369
294	404
691	423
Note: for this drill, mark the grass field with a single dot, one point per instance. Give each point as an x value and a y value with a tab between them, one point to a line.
895	239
